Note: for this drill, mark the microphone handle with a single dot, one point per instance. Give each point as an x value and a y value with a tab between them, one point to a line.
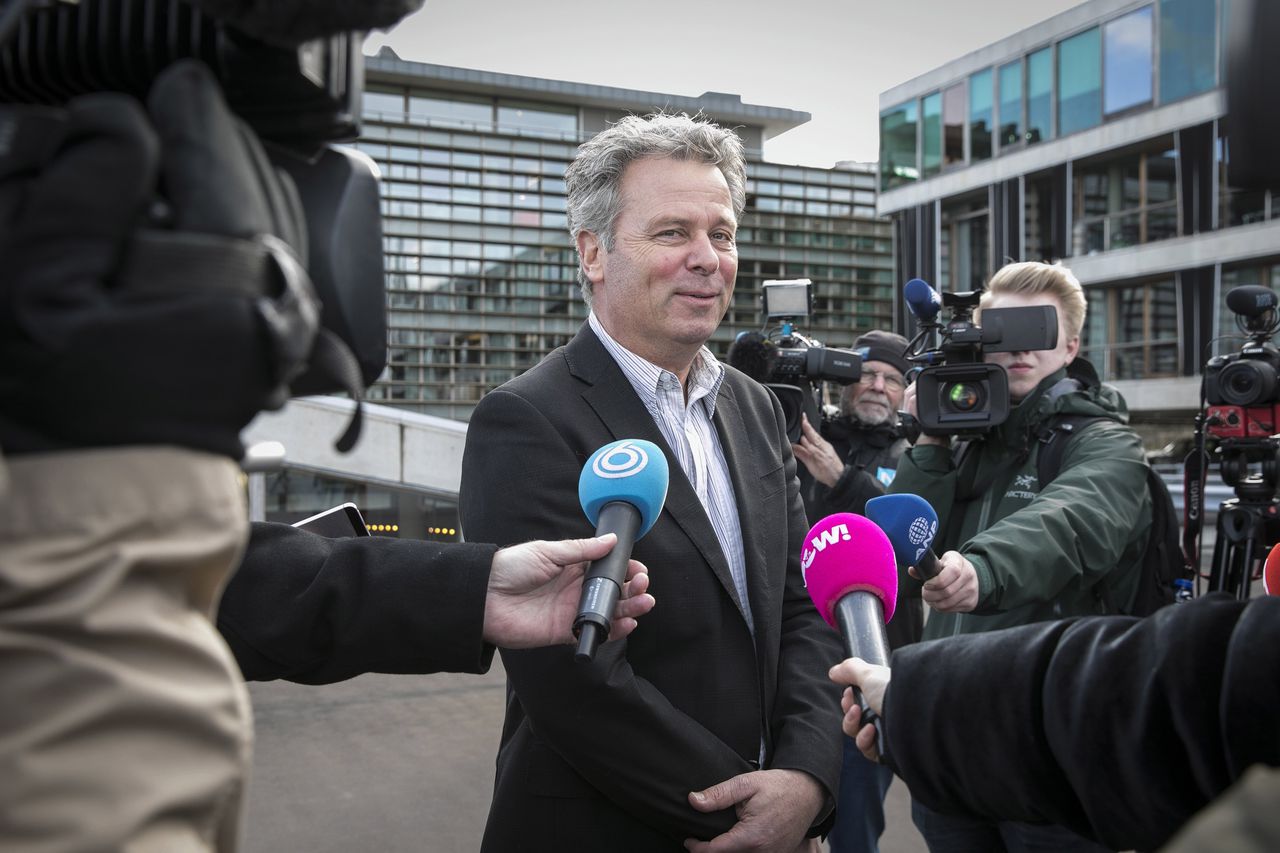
860	615
602	585
928	565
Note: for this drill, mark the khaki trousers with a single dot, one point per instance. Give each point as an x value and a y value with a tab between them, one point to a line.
124	723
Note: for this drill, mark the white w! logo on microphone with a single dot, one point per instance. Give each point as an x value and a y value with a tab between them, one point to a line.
609	466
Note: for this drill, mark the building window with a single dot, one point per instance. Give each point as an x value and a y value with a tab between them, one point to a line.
1127	62
1188	39
1126	201
1040	95
953	121
898	146
537	120
1237	206
383	105
1079	82
980	115
931	135
965	248
1045	209
1011	103
451	111
1131	331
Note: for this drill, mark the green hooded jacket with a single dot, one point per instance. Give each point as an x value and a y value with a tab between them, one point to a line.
1039	553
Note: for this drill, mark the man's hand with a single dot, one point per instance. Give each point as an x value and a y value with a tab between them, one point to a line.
954	589
775	809
534	590
873	680
817	454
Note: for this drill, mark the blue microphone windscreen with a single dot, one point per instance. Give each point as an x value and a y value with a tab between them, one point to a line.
908	521
631	470
922	299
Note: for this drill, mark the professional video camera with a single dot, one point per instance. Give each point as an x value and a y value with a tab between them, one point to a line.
297	97
957	392
787	362
1242	388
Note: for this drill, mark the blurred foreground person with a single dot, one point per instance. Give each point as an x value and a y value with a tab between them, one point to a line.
1121	729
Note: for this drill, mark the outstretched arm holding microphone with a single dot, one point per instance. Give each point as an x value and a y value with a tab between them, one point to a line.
1118	728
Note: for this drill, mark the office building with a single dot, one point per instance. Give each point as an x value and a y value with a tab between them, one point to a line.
1095	138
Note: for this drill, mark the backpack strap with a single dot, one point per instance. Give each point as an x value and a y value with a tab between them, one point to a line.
1053	438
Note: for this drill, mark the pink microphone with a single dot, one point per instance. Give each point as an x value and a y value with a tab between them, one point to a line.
851	573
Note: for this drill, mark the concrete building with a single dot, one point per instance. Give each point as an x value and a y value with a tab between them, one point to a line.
1094	138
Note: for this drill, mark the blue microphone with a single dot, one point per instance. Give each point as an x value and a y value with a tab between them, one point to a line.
622	489
911	524
922	300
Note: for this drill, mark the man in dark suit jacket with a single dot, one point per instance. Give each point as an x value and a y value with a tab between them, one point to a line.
724	681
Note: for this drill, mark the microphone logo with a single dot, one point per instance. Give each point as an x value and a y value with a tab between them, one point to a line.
626	459
806	560
921	533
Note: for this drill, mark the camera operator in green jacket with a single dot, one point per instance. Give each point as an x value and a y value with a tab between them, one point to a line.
1014	551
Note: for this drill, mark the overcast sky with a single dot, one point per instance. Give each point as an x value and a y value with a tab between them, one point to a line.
828	58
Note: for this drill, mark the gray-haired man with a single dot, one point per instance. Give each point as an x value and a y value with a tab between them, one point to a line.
722	688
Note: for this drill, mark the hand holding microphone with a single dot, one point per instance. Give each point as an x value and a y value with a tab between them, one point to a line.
850	573
873	681
622	489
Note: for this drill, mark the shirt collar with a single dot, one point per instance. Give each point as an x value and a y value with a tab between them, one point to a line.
706	374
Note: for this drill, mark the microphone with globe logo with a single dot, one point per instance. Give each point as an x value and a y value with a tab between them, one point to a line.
911	525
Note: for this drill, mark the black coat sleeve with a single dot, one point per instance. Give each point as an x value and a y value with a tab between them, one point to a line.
1116	727
314	610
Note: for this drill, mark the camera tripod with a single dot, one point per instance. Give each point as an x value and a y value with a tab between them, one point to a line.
1248	524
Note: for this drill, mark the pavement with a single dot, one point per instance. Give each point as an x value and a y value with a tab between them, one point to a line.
398	763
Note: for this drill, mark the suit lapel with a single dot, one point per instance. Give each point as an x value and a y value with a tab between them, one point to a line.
735	439
611	397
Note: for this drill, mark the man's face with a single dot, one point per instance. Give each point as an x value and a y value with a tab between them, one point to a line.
877	396
1027	369
664	287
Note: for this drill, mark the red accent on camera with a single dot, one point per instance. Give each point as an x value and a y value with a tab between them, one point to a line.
1244	421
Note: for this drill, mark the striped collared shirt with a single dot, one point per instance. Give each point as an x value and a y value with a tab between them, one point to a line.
690	432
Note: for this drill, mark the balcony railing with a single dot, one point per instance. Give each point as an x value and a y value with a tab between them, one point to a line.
1126	228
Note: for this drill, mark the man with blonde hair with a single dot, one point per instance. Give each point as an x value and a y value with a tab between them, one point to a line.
1015	550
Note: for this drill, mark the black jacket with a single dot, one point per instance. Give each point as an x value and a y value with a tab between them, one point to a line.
602	755
314	610
1118	728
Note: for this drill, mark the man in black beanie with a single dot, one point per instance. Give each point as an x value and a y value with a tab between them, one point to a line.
851	459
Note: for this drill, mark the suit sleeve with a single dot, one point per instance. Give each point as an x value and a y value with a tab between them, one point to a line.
1116	727
314	610
614	728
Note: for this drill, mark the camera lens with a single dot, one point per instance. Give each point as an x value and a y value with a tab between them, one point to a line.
1247	382
963	396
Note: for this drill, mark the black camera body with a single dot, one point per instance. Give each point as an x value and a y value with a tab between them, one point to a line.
957	393
1242	388
789	363
297	99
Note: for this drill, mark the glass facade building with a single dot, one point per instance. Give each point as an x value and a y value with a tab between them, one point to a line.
1110	155
481	274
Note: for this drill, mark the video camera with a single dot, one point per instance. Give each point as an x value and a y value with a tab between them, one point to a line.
1242	389
787	362
957	393
297	99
